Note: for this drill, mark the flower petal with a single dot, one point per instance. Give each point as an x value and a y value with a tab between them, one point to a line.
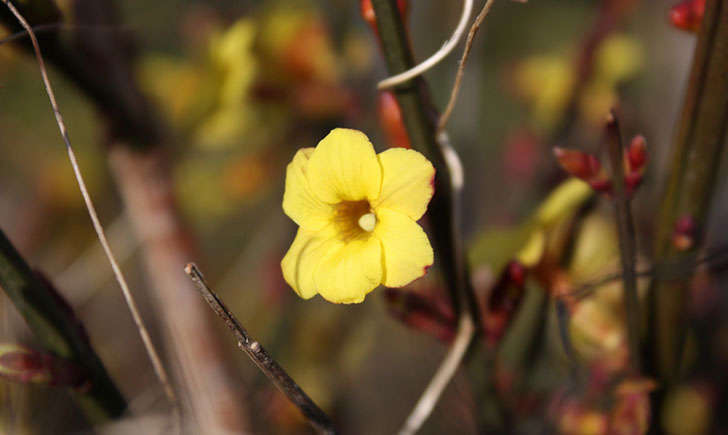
407	251
349	270
299	201
407	182
302	258
344	167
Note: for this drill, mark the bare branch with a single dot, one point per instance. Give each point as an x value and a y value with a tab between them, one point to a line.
316	417
627	240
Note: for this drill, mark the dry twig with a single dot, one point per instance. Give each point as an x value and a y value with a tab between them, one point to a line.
315	416
461	66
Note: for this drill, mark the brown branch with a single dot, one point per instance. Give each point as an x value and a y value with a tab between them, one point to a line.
315	416
627	240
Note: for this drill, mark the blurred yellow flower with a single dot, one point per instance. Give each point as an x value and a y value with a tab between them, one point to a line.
547	81
357	214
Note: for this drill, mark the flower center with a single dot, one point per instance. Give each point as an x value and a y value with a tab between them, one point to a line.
354	219
367	222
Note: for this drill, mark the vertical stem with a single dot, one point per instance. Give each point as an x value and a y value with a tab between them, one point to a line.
420	119
696	153
627	239
58	330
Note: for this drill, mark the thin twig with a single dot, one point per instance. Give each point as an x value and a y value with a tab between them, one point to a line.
149	346
316	417
50	27
562	320
627	240
461	66
436	57
446	371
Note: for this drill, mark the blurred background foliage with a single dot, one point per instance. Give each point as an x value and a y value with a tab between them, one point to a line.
242	85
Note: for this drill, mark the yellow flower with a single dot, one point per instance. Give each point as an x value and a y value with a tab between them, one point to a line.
357	214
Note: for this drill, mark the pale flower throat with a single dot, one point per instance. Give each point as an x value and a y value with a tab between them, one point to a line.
367	222
354	219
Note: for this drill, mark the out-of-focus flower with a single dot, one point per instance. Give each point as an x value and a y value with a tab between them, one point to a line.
597	324
604	407
526	242
521	155
296	42
631	412
235	68
577	419
357	213
687	410
210	97
547	82
390	117
688	15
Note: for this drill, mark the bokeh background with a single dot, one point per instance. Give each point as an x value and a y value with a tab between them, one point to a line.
240	86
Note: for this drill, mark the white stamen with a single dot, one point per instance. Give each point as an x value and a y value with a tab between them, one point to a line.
367	222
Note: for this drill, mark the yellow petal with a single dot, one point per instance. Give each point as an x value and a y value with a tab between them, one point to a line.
299	201
349	270
407	182
407	251
302	258
344	167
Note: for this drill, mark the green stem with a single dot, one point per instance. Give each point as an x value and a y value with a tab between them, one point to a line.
696	153
627	241
58	330
420	118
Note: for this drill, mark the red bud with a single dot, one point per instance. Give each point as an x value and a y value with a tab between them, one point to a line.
586	167
577	163
683	237
390	117
688	15
427	313
367	12
637	153
22	364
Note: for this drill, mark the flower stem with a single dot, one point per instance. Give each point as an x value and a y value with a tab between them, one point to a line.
420	118
696	152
